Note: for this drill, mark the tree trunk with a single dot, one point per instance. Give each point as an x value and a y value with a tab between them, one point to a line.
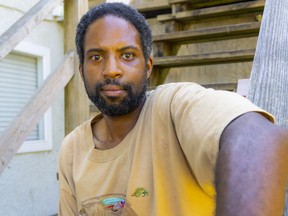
269	77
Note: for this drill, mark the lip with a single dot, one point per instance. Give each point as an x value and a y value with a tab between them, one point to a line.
113	90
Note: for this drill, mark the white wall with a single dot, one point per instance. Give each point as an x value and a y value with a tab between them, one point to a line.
28	185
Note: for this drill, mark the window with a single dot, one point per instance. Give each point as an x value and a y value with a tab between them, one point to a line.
21	73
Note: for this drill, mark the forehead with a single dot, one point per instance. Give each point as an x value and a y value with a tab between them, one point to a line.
110	30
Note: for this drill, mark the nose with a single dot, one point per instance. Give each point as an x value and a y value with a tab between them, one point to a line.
112	68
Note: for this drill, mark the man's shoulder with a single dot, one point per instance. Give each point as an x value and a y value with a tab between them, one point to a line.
170	90
174	87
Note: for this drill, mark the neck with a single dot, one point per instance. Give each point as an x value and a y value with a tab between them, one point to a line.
111	130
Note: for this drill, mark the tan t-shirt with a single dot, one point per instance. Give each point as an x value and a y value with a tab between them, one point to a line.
164	166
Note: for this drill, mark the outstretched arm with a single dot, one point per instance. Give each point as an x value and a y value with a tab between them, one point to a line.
252	167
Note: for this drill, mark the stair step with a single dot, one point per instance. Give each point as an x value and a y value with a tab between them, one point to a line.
221	86
206	3
150	5
210	34
232	9
205	59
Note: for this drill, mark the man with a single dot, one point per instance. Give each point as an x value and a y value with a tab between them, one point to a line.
164	152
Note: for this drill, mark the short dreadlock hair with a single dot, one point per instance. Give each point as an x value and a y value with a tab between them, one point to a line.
120	10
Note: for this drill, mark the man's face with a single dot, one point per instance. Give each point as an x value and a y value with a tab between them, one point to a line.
114	69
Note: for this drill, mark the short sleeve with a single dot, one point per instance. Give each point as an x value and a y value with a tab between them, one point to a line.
67	200
200	115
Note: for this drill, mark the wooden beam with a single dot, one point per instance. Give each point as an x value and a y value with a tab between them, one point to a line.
221	86
269	76
158	76
76	100
93	3
209	3
12	138
178	1
210	34
231	9
150	5
17	32
204	59
178	7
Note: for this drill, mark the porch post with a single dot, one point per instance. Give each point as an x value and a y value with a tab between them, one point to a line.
76	100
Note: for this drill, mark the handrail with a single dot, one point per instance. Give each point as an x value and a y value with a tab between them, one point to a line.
12	138
19	30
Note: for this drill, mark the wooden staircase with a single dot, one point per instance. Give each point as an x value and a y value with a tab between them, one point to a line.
202	33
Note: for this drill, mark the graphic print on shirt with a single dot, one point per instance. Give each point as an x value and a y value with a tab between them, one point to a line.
140	192
107	205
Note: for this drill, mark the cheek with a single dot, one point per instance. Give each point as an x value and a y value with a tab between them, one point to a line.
91	73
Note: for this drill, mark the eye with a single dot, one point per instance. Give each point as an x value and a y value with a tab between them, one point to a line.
96	57
128	56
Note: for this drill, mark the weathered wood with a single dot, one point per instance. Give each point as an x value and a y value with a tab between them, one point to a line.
270	66
172	26
76	100
226	10
206	3
12	138
161	49
204	59
178	7
158	76
17	32
93	3
222	86
269	77
178	1
210	34
151	5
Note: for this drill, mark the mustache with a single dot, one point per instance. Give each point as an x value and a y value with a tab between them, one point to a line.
109	81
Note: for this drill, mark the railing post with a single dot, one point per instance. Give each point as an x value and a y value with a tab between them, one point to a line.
76	100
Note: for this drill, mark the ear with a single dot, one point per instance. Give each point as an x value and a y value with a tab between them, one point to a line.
149	66
81	71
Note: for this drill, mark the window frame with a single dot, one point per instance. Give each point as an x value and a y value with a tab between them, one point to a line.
43	56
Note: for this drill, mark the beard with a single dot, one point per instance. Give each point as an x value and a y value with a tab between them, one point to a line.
133	99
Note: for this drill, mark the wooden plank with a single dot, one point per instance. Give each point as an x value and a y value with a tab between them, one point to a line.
204	59
269	75
207	3
19	30
150	5
76	100
12	138
221	86
210	34
178	1
222	1
226	10
93	3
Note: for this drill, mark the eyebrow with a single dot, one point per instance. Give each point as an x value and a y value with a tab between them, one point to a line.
94	50
128	47
119	50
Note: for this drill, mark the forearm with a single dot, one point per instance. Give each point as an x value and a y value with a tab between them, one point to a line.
251	171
